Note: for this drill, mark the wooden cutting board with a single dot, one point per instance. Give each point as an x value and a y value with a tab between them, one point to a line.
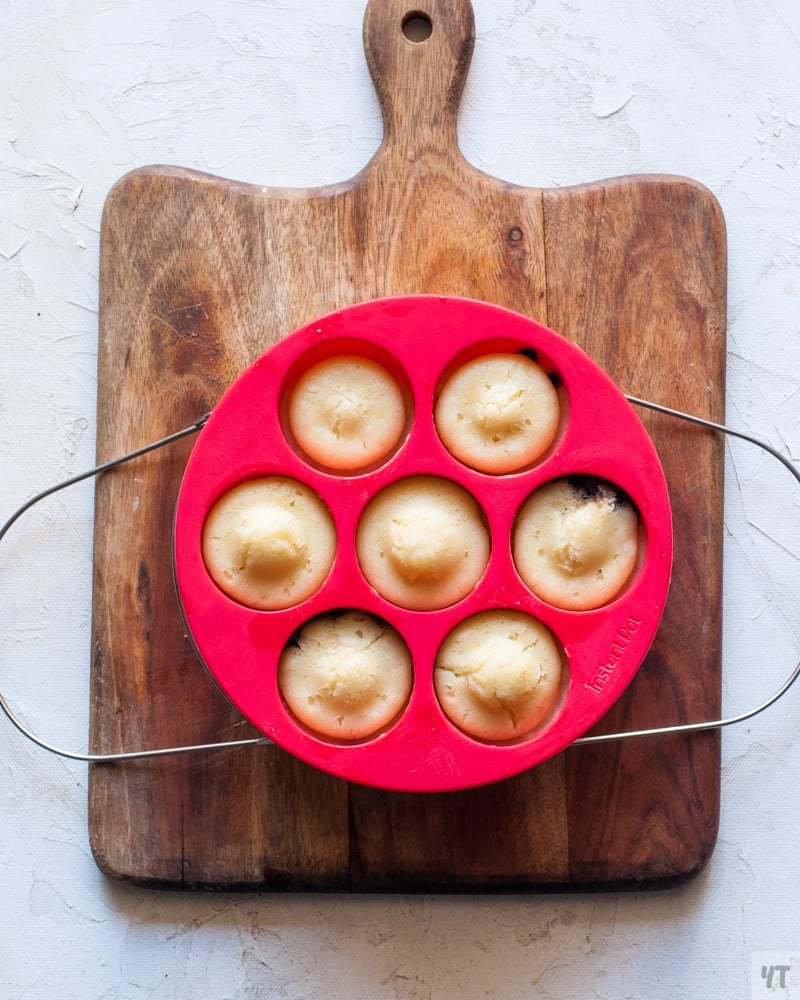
200	275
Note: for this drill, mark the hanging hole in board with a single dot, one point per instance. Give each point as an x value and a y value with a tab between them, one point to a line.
417	27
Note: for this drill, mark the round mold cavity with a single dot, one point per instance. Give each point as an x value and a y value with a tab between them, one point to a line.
497	414
367	414
423	543
419	339
345	676
269	543
577	542
501	676
500	407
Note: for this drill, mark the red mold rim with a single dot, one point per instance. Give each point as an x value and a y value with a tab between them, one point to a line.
418	339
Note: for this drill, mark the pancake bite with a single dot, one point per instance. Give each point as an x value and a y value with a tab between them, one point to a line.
497	675
576	542
498	413
346	413
346	675
422	543
269	543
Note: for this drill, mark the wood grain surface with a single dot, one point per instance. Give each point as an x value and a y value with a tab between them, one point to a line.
198	276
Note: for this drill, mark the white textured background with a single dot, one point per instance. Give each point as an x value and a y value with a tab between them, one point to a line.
276	92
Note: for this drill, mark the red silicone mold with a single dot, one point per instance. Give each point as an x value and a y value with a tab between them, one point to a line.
420	339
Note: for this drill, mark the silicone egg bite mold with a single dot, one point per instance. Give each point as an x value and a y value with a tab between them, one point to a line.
296	434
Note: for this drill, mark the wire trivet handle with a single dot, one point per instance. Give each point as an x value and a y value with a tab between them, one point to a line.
100	758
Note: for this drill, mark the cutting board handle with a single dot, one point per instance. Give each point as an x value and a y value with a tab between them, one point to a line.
418	52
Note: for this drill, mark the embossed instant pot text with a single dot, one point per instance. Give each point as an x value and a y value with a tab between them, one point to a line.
619	647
